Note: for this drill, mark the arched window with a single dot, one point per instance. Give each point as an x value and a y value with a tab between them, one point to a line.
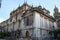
27	34
18	33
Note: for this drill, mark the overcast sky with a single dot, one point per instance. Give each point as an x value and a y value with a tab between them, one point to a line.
9	5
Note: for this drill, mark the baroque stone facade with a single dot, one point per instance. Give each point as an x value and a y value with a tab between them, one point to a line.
57	16
31	21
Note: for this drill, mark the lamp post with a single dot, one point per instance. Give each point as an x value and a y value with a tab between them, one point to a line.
0	3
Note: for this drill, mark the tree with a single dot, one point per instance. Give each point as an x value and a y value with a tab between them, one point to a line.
56	33
4	34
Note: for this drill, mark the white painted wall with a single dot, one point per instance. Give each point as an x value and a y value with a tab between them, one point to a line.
37	20
10	27
41	22
14	19
55	25
36	24
22	24
16	26
19	16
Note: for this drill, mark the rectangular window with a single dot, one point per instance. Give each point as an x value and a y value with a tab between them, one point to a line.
28	21
10	19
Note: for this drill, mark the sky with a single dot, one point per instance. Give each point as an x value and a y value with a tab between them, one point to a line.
9	5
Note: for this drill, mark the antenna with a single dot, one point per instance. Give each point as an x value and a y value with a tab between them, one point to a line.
19	5
55	6
13	9
25	1
32	6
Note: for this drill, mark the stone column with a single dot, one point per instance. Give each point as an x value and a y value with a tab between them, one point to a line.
13	25
43	22
40	21
40	33
13	33
18	24
7	26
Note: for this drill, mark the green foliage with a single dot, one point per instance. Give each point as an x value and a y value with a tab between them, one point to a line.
56	33
4	34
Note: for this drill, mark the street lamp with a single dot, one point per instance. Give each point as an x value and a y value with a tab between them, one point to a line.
0	3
